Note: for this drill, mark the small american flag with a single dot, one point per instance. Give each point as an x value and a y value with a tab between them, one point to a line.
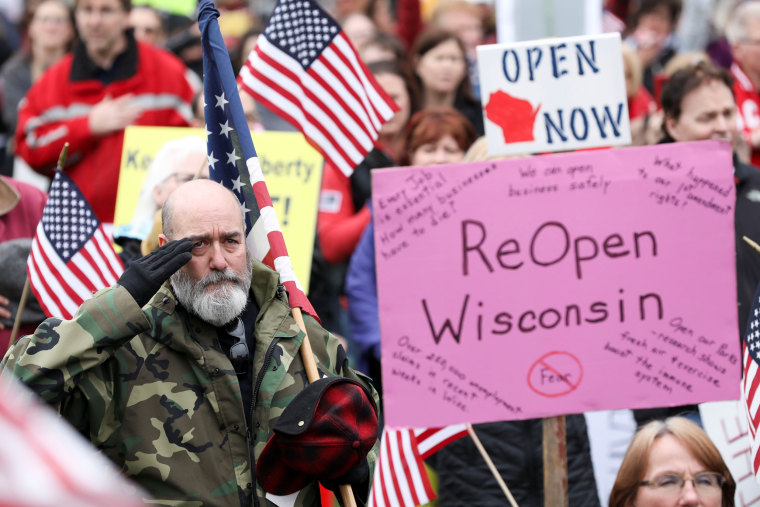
71	256
233	161
400	479
751	381
305	70
432	440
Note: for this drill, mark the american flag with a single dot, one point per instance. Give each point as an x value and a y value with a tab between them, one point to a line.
400	479
232	158
305	70
751	381
36	438
71	256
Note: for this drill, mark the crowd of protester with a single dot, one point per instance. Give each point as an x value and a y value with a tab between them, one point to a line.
677	54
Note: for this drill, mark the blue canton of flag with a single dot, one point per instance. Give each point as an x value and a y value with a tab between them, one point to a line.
301	30
68	220
232	157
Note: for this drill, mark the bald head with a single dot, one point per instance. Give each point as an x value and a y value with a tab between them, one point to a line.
196	202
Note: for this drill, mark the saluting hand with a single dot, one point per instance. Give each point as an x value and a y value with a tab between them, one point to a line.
144	276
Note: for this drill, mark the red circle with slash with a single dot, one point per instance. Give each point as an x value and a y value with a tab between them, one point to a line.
556	373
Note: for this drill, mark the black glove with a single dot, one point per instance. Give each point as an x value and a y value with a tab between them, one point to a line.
357	477
145	276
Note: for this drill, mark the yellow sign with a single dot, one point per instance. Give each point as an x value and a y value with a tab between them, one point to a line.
292	168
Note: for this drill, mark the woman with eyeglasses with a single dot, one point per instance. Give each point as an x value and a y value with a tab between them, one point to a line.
669	463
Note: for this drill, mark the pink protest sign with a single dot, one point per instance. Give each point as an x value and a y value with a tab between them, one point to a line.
551	285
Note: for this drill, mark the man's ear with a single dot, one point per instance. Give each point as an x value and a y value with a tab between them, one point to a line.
162	239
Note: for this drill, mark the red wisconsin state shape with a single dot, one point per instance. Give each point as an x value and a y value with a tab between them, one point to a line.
515	116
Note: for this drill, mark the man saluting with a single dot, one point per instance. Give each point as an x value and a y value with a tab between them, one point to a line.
188	371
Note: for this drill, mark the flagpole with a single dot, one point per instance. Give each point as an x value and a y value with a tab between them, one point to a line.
204	165
312	375
25	290
555	461
751	243
490	464
21	306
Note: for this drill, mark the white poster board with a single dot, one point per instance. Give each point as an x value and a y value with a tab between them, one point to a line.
726	425
554	95
518	20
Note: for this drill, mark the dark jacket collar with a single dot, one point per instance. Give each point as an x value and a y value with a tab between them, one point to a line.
124	65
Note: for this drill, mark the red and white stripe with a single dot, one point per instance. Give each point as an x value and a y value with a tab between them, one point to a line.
266	241
400	478
61	287
750	384
336	103
432	440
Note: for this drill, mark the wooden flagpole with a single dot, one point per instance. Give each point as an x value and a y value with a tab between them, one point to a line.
555	462
312	374
21	306
751	243
491	466
25	291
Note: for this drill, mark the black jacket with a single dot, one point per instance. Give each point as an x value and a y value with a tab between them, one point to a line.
746	223
516	450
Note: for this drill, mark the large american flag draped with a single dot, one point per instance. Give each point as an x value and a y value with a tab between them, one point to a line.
751	380
305	70
232	158
400	479
71	256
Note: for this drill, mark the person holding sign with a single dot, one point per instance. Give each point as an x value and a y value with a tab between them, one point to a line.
699	104
743	33
672	462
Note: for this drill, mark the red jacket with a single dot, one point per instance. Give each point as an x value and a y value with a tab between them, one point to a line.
57	106
748	106
339	225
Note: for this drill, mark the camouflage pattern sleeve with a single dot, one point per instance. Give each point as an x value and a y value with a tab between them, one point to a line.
51	360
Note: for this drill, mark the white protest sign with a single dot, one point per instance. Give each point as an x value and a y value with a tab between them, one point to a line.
725	423
609	434
554	95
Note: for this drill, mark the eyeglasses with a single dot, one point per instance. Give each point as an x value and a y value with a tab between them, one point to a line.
707	483
239	356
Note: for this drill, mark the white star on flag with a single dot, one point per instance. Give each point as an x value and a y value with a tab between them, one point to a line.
221	101
232	157
225	129
211	159
230	136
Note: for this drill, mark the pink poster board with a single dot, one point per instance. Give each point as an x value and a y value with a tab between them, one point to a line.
558	284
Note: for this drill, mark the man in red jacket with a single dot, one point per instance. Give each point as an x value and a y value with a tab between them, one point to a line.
109	81
743	32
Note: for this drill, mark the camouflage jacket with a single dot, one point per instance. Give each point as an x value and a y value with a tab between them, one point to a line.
152	390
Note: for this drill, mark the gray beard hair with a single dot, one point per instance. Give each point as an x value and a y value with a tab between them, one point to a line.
220	305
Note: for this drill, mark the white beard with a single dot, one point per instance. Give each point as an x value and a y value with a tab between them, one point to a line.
218	305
